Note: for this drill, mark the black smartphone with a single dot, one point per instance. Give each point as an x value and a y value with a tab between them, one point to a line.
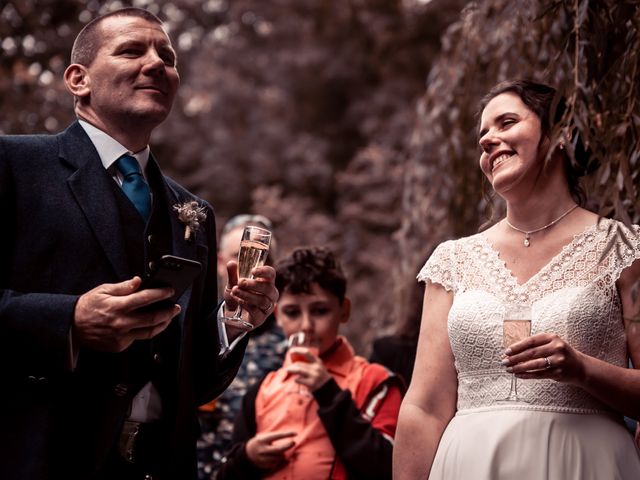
171	271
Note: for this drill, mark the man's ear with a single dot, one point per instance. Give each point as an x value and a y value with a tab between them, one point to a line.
76	78
345	314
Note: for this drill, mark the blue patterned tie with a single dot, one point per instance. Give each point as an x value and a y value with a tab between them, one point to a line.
134	185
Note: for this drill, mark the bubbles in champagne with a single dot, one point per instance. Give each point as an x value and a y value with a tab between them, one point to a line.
515	330
252	254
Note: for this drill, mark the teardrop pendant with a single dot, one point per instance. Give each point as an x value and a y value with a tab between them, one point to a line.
526	241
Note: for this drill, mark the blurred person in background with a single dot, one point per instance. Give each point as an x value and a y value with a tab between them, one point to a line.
574	273
327	413
96	385
397	352
264	353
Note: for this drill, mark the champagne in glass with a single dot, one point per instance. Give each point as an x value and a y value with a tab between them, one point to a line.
302	339
516	326
254	249
515	330
252	254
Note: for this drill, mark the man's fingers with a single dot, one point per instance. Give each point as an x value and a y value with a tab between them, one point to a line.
156	324
127	296
264	272
107	318
149	296
122	288
259	301
231	302
232	272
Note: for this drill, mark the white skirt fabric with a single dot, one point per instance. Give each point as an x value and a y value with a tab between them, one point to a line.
523	444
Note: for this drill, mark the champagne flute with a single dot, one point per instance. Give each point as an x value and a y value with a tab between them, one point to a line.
302	339
254	249
516	326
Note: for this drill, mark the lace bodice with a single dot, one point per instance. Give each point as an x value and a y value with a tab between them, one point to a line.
574	296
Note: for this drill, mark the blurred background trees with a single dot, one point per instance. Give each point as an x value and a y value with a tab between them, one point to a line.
351	123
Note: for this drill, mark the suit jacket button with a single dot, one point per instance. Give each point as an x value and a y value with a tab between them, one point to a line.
157	358
148	477
152	266
121	389
151	239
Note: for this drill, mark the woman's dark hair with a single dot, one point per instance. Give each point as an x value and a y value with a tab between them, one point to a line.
550	107
304	266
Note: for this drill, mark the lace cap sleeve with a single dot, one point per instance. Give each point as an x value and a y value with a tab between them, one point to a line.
623	244
439	268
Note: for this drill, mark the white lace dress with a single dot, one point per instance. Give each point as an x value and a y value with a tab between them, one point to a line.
563	433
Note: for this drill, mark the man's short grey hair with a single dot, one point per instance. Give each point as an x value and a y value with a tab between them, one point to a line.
88	41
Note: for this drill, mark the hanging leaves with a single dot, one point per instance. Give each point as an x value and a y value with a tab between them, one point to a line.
589	50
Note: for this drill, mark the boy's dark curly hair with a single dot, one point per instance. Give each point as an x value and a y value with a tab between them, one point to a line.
307	265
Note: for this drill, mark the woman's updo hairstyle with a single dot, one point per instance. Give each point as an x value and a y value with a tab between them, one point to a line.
544	101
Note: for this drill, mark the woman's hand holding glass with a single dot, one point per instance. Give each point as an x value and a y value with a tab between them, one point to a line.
546	355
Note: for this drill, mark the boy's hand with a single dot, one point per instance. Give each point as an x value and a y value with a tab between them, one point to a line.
264	450
311	372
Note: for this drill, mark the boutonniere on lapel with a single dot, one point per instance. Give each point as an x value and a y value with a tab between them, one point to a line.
192	215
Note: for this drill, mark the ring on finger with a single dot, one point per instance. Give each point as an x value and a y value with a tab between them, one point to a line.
548	362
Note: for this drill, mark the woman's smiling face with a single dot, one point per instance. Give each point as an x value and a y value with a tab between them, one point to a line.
510	138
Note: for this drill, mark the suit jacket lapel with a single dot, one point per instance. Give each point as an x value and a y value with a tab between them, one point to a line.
180	246
92	187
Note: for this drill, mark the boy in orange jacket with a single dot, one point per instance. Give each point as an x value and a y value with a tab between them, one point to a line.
330	414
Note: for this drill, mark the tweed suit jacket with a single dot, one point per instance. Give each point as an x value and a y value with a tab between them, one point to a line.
62	236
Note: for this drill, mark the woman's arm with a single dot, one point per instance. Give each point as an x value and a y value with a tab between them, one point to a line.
618	387
430	402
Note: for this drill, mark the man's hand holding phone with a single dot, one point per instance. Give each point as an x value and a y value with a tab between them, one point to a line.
109	317
112	316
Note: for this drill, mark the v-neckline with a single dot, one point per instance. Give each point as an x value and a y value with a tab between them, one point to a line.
544	267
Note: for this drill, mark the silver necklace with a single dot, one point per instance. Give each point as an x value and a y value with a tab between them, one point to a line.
528	233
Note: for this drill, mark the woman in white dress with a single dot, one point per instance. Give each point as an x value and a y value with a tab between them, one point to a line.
555	259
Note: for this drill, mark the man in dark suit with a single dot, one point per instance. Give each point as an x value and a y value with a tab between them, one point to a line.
94	386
